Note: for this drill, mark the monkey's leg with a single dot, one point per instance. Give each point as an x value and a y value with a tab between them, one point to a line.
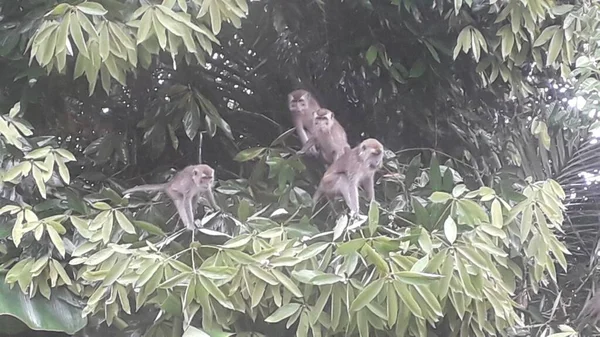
189	207
181	205
349	191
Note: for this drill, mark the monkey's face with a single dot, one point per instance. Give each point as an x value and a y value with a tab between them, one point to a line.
298	101
371	152
321	121
203	177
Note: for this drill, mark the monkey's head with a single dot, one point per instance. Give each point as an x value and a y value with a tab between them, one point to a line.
322	119
203	176
300	100
371	153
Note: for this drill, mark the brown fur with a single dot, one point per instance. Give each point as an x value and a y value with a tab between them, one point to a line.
302	104
184	189
328	136
354	168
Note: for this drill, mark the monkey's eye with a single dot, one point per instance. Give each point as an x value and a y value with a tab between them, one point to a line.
363	148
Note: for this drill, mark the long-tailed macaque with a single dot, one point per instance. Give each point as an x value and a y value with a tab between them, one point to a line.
354	168
184	189
328	136
302	104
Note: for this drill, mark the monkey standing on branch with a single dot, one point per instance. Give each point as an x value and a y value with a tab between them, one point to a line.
184	189
328	136
302	104
354	168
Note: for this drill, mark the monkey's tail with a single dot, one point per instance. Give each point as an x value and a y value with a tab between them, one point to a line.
145	188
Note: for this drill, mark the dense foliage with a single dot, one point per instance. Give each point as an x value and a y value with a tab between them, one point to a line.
470	98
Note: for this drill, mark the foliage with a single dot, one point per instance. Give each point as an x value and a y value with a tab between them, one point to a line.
445	248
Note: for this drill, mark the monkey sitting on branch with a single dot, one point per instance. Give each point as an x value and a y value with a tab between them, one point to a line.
302	104
328	136
184	189
354	168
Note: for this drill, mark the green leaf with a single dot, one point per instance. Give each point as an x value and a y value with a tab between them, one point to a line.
77	36
545	36
92	8
555	46
124	223
283	313
497	214
418	69
143	32
373	217
249	154
450	230
215	292
325	279
407	298
416	278
371	54
263	275
56	240
287	283
148	227
115	272
367	295
58	314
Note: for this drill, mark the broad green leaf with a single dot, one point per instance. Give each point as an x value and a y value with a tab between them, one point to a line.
283	313
77	36
450	230
416	278
215	292
58	314
91	8
408	299
440	197
373	217
124	222
115	272
287	283
556	45
545	36
371	54
340	226
497	214
326	279
263	275
367	295
56	240
249	154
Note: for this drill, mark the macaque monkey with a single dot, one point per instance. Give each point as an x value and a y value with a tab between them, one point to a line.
184	189
328	136
354	168
302	104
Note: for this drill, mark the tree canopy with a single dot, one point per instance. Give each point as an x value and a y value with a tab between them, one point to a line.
487	110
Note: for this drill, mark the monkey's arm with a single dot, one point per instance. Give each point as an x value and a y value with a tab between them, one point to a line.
367	184
210	197
148	187
299	125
